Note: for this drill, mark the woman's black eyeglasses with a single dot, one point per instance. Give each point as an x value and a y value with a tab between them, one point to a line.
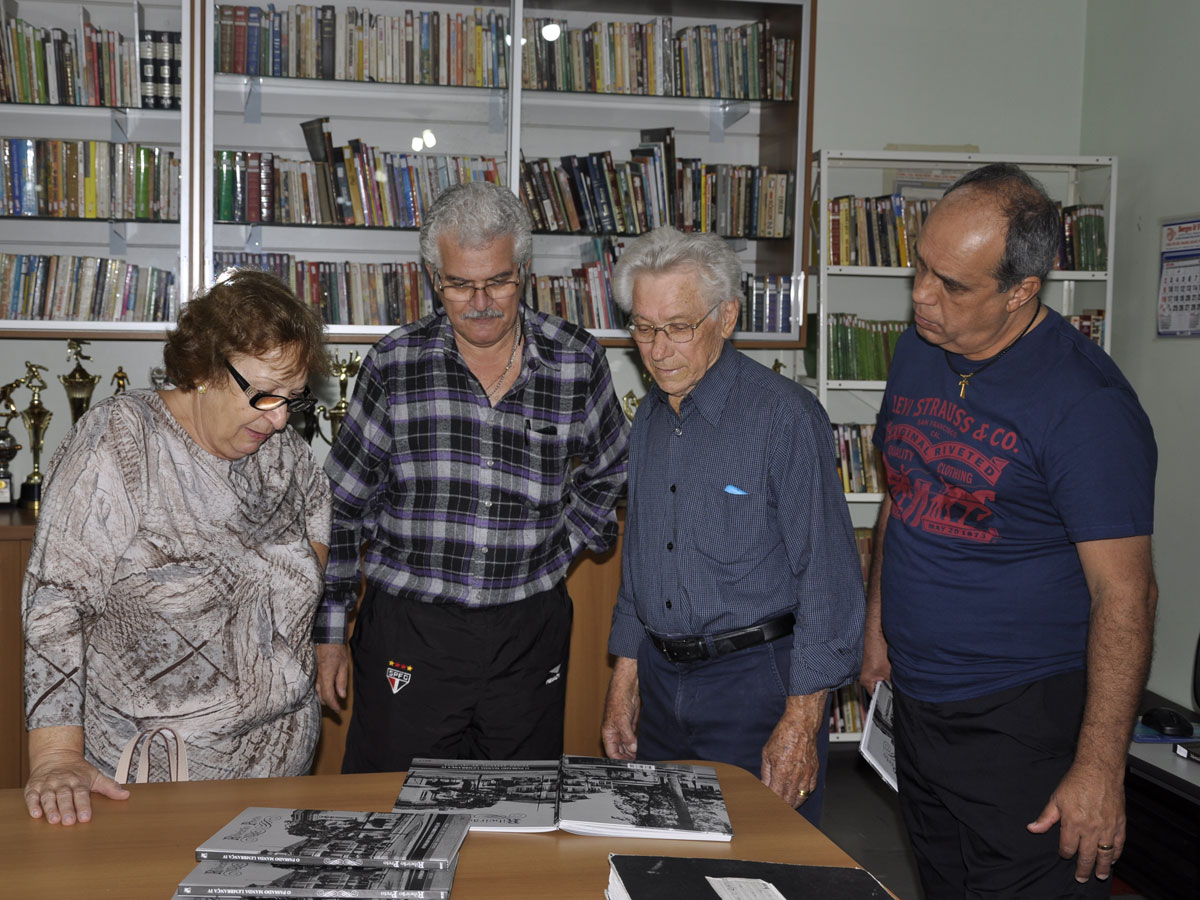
265	402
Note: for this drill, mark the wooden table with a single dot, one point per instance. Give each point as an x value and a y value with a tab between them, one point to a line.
140	849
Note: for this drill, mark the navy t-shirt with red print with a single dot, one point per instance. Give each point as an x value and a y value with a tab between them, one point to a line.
982	584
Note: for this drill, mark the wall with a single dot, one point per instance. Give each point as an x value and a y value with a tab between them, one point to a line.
1005	76
1139	103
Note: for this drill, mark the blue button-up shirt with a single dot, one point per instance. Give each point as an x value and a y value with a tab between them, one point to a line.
736	516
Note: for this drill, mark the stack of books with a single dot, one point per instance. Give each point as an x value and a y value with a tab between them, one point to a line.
36	286
66	179
578	794
274	852
861	349
391	292
859	464
428	46
595	194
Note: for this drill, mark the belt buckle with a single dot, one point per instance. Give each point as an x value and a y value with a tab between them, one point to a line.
685	650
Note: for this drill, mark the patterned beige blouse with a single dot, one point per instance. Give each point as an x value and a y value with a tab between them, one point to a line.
169	587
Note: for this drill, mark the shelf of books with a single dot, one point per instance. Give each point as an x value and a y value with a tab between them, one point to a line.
619	121
628	122
90	161
848	704
333	130
867	212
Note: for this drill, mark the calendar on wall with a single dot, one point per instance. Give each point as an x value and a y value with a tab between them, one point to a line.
1179	277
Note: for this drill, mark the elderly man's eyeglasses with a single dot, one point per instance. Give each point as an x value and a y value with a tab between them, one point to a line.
457	291
265	402
676	332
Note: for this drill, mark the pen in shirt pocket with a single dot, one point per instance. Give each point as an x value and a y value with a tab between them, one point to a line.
547	430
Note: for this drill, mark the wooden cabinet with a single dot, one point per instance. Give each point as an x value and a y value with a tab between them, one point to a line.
16	536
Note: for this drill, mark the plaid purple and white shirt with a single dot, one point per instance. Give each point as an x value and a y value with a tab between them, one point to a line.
462	502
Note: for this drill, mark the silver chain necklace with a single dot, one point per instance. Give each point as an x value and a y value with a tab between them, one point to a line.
511	357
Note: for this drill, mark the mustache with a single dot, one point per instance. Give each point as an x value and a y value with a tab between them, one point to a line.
489	313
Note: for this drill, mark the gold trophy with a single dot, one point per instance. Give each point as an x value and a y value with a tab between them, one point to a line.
344	372
8	444
120	379
78	383
37	419
631	400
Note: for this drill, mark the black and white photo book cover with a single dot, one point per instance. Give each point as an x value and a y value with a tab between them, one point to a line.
323	837
237	878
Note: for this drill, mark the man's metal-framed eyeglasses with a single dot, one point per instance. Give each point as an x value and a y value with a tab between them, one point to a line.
676	332
497	289
265	402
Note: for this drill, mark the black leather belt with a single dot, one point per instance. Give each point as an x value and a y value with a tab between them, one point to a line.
691	649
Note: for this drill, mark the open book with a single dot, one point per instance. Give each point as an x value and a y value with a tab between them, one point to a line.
580	794
323	837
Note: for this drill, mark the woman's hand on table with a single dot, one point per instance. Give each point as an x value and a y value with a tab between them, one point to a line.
61	782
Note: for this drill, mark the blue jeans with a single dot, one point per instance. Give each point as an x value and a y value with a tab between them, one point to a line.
722	709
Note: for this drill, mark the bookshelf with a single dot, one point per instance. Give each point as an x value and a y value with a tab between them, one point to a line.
882	292
486	110
101	163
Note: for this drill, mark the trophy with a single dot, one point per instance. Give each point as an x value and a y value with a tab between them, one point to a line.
8	444
78	383
630	404
630	401
306	423
37	419
120	379
344	372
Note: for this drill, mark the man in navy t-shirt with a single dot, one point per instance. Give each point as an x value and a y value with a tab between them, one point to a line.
1012	594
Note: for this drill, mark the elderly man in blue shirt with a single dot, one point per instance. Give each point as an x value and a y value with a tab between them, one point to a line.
741	600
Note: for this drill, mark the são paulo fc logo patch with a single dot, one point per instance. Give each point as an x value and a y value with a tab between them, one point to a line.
398	675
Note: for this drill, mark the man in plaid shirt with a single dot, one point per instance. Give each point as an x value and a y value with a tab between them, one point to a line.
483	449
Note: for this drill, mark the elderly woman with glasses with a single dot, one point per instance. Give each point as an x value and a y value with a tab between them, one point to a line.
178	561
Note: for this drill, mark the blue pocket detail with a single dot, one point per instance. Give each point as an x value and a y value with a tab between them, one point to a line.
733	489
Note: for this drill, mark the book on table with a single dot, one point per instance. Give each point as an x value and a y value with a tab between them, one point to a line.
238	878
580	794
679	878
323	837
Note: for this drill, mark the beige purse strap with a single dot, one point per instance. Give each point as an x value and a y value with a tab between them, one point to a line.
177	765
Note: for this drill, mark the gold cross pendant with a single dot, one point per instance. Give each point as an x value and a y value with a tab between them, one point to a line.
963	380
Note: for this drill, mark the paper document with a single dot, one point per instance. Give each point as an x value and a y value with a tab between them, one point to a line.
878	745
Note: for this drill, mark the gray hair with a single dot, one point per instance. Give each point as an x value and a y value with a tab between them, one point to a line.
475	214
667	249
1031	218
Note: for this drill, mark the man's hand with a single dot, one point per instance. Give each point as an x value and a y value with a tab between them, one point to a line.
875	664
61	781
333	674
1090	809
789	760
621	709
1089	803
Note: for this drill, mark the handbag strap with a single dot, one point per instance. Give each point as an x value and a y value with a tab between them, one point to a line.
177	765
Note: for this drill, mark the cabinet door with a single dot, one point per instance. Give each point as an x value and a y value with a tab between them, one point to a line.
16	529
334	128
628	121
92	155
